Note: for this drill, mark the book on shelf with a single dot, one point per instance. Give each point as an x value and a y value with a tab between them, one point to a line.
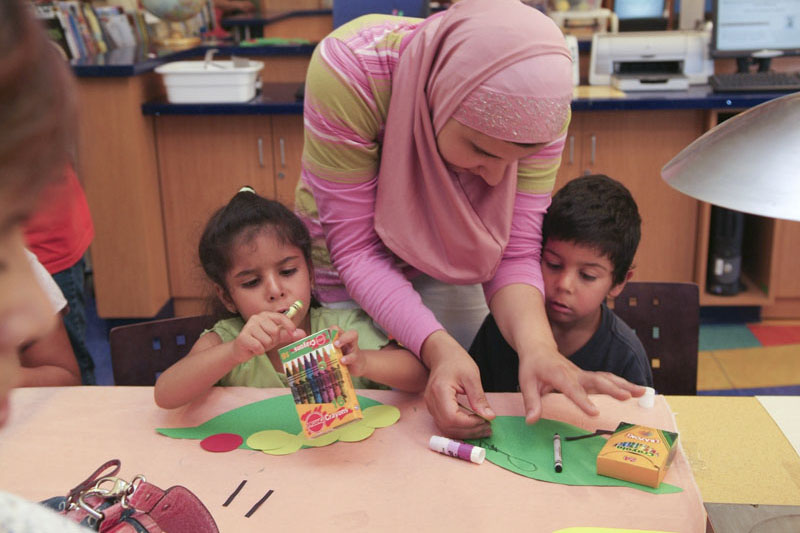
82	29
48	15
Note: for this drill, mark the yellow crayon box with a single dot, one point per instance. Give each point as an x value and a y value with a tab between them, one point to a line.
638	454
321	385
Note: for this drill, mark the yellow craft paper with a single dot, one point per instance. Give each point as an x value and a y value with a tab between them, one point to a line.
270	439
381	416
355	431
737	452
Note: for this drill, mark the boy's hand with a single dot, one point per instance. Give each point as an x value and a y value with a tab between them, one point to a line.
354	358
262	333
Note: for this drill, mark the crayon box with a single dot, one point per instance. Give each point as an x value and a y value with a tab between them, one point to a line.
638	454
321	386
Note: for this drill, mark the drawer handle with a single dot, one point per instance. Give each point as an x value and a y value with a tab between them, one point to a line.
261	152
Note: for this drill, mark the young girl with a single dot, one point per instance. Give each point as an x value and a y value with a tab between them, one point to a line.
257	254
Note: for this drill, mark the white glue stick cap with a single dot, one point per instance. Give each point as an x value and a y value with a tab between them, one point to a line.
648	399
477	455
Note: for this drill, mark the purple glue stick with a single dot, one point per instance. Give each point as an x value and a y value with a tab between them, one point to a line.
454	448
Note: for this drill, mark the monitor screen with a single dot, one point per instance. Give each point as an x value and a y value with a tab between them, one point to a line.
751	27
639	9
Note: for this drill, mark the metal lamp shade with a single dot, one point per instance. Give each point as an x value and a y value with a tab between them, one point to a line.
749	163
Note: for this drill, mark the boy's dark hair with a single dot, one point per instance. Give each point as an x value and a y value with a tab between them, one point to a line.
598	212
245	216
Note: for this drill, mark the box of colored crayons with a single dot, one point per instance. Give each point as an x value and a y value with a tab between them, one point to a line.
637	453
321	386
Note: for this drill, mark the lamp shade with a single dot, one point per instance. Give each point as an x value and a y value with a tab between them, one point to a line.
749	163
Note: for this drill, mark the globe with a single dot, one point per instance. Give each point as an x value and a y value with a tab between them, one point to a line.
174	10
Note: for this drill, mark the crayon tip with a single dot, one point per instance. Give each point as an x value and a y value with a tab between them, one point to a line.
295	307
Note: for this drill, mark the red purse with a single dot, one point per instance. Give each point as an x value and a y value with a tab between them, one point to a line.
108	504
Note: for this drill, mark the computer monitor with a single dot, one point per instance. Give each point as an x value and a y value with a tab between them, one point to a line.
641	15
755	28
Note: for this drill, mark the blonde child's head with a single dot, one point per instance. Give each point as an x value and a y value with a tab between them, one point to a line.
257	255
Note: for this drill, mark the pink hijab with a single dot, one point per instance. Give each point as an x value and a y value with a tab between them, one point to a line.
497	66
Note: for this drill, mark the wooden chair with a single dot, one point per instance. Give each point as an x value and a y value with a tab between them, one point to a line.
666	318
140	352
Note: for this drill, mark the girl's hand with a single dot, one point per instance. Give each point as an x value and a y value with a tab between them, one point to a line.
354	358
264	332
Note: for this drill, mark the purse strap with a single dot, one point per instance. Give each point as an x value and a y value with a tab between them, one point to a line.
91	481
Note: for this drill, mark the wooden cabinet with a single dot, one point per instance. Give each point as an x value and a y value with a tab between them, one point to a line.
786	281
203	161
118	169
287	145
631	147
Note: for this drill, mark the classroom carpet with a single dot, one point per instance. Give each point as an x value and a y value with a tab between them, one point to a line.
749	359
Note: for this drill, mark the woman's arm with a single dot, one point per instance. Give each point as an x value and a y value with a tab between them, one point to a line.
341	156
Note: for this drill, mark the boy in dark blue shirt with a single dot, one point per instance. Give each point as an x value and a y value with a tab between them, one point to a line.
589	237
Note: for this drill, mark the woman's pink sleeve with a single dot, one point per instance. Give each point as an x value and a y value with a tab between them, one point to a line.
365	265
521	262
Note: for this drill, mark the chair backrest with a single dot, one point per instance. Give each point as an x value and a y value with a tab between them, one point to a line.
140	352
666	318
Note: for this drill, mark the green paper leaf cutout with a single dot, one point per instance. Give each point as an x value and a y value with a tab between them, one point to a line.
528	450
276	413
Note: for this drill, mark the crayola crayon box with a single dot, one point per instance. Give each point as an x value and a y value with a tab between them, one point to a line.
321	386
638	454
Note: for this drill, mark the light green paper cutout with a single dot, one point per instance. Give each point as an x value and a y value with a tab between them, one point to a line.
318	442
381	416
355	431
290	447
528	451
276	413
270	439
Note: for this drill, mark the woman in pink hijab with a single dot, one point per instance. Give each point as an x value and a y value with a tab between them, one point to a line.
431	149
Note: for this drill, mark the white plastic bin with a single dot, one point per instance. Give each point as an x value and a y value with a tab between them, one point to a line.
197	82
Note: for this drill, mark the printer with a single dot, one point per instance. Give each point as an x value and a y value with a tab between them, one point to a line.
651	60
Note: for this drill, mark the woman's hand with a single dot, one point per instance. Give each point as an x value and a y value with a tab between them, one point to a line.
262	333
547	370
353	357
453	372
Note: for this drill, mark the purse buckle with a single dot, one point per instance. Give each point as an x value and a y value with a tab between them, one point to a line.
108	488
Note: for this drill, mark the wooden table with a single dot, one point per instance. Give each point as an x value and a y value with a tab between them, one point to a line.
389	482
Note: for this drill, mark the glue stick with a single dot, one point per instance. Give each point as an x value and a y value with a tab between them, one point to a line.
454	448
